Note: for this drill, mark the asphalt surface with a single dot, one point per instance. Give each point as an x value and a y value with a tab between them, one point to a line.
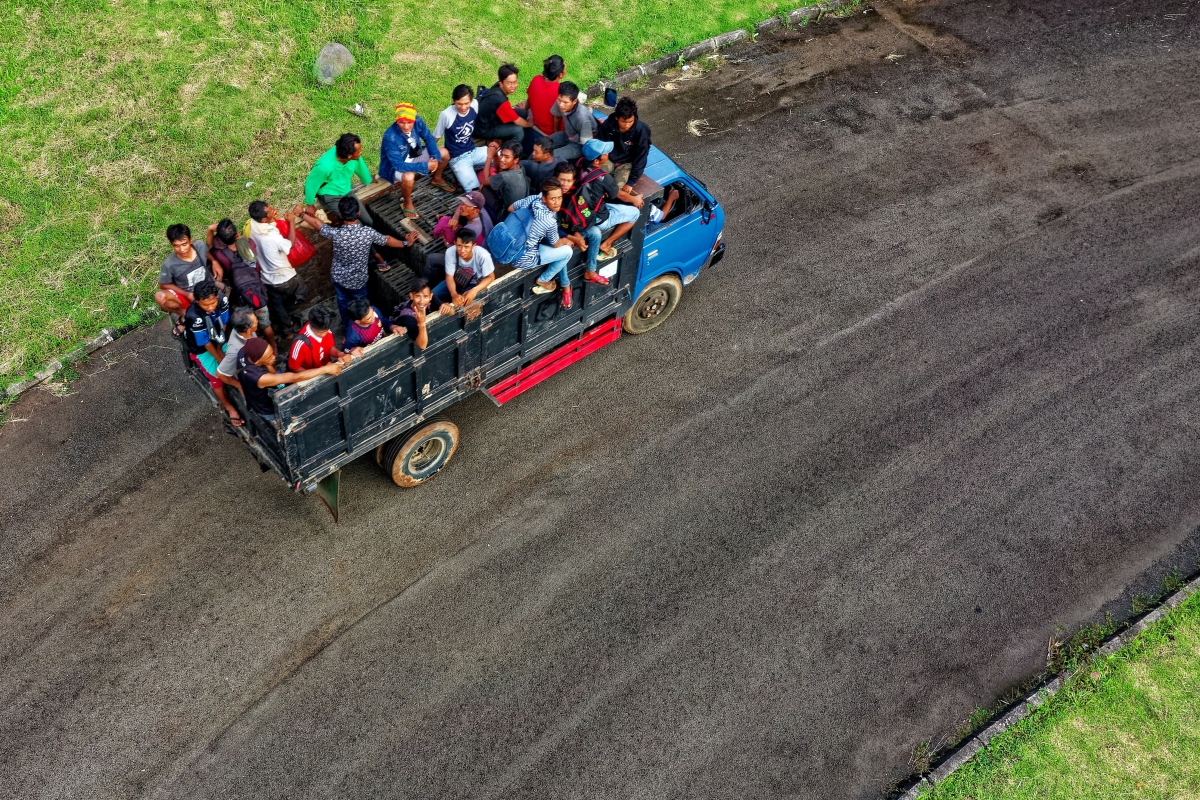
936	406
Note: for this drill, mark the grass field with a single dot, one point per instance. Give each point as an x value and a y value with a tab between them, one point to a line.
1127	727
121	116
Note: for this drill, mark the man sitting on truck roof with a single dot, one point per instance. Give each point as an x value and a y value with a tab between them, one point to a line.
410	315
256	374
504	178
577	120
543	245
594	202
332	177
206	323
630	138
408	149
468	258
368	326
313	346
352	252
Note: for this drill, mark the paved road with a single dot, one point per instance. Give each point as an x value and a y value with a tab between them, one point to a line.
936	405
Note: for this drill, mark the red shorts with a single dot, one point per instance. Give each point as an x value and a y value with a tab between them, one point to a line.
213	380
183	301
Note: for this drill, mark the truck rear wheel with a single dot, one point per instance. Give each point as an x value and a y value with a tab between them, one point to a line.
415	458
654	305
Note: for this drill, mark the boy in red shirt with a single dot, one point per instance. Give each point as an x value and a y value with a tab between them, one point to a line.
313	347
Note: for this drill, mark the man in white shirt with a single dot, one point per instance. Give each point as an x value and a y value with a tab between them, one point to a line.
279	278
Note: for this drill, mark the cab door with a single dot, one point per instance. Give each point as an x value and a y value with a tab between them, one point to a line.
683	242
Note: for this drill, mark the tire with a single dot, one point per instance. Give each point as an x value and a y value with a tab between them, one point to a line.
412	459
654	305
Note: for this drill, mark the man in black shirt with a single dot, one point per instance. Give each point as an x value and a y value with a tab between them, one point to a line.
599	207
206	330
509	184
631	143
497	117
256	374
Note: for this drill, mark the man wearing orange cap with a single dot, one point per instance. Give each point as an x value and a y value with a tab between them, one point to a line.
408	150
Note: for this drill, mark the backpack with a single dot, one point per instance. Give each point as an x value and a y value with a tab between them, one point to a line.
577	212
507	240
245	278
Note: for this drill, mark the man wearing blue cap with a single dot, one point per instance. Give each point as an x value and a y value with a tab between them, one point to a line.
593	206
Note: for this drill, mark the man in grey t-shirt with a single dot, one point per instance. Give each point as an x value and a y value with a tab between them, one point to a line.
187	266
466	271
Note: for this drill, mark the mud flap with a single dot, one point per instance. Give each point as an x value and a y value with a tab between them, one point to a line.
328	489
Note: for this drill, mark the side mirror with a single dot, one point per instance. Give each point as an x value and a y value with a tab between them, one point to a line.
706	213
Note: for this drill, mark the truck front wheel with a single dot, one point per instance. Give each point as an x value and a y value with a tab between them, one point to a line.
654	305
412	459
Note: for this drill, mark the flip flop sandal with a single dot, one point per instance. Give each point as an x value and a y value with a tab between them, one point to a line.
445	187
537	289
599	279
237	421
566	297
411	213
603	256
178	330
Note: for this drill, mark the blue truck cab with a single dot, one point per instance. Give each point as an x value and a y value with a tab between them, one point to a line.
393	401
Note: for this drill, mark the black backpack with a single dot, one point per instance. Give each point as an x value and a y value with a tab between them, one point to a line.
247	283
578	212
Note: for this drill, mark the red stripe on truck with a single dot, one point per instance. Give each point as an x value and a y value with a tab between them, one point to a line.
554	361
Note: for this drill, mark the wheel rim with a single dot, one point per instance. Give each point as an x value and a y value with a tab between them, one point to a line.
426	455
653	304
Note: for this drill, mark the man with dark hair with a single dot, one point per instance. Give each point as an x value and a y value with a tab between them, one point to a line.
410	315
578	124
509	183
497	117
540	165
248	290
256	374
367	326
352	252
332	177
408	150
466	270
456	128
245	325
284	288
205	322
540	97
314	346
187	266
630	138
594	206
543	244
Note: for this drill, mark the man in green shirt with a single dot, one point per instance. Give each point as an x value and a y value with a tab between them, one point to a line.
332	177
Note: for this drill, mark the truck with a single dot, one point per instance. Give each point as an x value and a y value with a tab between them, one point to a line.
392	401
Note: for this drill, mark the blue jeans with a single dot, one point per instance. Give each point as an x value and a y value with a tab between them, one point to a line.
344	296
618	213
556	260
465	166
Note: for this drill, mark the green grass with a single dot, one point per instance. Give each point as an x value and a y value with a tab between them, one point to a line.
121	116
1127	726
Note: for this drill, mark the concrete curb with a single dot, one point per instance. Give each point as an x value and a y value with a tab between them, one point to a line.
107	336
711	45
1038	697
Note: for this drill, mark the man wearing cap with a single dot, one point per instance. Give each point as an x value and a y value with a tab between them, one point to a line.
472	213
594	203
256	374
332	177
408	149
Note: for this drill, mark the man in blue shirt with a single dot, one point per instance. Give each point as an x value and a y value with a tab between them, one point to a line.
408	150
206	330
456	128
